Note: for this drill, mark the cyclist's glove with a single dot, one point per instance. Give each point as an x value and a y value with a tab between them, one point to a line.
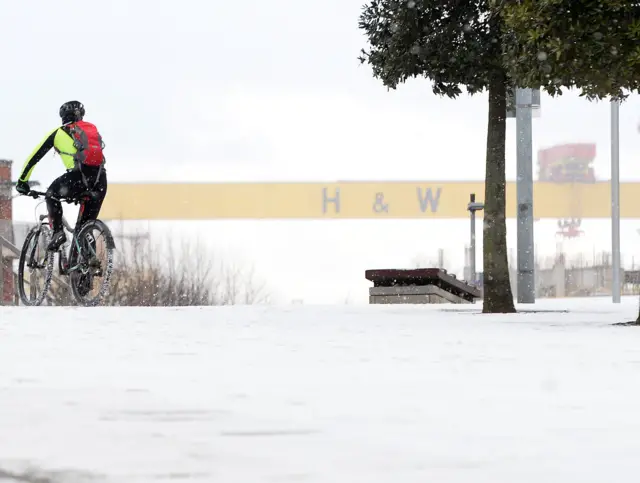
22	187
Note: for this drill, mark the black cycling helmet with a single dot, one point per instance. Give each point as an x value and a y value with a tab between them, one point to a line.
72	111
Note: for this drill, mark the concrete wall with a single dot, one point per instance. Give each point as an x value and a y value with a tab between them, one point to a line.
6	230
563	281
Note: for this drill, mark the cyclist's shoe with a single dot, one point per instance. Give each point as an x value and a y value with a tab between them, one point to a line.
57	239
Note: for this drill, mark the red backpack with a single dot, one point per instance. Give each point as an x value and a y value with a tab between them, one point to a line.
88	142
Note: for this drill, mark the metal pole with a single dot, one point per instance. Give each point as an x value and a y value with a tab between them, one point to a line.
524	187
473	206
615	199
472	244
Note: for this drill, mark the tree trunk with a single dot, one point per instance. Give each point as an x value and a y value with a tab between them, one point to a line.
497	286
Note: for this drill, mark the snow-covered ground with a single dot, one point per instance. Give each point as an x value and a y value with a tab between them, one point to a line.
338	394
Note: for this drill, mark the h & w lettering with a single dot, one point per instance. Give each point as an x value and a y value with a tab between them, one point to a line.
427	198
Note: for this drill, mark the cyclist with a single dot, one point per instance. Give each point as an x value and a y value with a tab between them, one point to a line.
80	147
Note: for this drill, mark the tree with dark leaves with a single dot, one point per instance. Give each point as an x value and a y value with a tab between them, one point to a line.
456	44
592	45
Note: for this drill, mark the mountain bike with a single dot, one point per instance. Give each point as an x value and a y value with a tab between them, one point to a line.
78	258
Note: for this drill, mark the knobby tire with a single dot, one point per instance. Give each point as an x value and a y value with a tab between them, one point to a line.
38	231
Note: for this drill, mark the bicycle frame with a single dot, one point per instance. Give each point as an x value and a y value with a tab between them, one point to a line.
65	260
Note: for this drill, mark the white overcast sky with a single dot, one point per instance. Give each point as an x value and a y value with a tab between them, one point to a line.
251	90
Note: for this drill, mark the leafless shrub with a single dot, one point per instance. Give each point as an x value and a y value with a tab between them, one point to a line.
150	274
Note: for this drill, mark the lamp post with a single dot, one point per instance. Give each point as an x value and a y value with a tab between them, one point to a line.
473	206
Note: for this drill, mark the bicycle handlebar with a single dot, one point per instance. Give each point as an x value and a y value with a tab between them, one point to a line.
68	199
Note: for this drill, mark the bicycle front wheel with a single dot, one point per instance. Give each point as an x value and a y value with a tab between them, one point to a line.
91	275
36	264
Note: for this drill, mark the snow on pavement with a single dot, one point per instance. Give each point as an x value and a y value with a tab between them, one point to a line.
341	394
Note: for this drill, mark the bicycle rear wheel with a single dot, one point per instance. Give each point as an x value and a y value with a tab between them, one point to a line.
93	264
38	263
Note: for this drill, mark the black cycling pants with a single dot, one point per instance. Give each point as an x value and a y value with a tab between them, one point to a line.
72	184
